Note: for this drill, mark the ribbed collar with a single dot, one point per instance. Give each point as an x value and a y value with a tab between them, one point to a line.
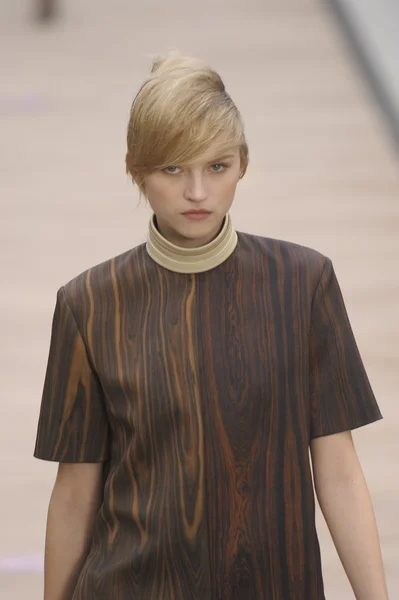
191	260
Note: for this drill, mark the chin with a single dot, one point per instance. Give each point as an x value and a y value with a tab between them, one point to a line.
189	233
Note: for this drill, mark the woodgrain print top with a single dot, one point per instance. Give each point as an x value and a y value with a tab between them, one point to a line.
200	393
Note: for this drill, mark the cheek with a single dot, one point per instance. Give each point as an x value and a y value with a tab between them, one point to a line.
157	194
228	186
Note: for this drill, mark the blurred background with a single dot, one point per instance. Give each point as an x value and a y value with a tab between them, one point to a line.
318	86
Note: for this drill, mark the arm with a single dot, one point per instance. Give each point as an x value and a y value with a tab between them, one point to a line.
346	505
74	504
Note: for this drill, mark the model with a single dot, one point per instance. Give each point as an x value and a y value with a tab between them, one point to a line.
187	380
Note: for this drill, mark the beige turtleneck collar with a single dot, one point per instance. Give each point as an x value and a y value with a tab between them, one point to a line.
191	260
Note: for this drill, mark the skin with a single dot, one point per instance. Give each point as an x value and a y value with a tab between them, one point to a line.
345	502
208	183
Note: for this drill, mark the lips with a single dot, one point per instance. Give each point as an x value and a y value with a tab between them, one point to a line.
197	212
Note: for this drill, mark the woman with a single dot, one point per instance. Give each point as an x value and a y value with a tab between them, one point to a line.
187	380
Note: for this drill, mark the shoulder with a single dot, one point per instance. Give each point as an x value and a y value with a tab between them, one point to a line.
285	255
101	281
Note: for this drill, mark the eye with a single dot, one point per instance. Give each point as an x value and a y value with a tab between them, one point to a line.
169	170
219	167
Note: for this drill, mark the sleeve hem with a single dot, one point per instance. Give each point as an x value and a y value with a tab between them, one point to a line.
351	427
57	459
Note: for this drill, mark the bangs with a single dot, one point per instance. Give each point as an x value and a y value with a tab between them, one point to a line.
184	145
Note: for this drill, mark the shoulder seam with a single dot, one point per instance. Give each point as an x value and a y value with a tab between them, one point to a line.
318	283
88	354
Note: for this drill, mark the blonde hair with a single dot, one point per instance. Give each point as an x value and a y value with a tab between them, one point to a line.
180	110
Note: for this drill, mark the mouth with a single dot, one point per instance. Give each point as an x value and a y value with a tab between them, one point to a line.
196	215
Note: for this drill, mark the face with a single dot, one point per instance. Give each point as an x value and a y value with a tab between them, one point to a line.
208	184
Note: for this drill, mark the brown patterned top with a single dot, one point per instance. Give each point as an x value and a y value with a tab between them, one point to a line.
200	392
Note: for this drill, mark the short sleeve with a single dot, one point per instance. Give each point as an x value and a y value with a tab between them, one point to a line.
341	397
73	425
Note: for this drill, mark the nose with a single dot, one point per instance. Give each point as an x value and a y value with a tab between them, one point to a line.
195	188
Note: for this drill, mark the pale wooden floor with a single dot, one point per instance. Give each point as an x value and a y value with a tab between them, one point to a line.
322	173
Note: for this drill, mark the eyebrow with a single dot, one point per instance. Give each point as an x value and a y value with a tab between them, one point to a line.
211	162
222	157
